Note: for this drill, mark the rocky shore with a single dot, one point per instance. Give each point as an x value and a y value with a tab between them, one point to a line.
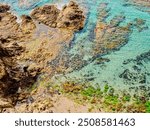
26	47
34	50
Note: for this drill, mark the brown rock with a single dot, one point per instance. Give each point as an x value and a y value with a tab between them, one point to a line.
5	103
71	17
47	14
27	24
4	8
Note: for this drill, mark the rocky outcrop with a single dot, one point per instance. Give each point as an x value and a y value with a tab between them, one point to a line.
28	46
109	35
12	75
27	24
47	14
70	17
4	8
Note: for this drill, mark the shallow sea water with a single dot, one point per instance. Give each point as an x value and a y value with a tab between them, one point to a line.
126	58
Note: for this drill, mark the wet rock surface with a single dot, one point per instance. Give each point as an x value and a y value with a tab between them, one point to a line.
110	35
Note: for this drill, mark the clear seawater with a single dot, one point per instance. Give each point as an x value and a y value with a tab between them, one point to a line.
108	72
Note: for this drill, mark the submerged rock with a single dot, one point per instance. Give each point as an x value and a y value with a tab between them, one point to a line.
140	2
110	35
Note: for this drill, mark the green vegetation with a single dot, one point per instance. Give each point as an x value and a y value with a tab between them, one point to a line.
106	88
91	92
127	97
111	100
147	105
106	99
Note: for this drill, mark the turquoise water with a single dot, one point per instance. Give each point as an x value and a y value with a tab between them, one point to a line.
127	67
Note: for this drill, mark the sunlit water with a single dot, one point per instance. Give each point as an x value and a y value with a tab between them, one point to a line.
108	72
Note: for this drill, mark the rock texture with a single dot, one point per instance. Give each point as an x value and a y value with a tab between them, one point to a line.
141	2
12	75
4	8
27	24
109	35
47	14
70	17
28	46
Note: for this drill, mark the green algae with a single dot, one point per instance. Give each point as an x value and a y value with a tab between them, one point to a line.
147	105
107	99
91	91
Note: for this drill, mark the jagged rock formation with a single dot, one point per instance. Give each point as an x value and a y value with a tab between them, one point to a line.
12	76
27	24
47	14
4	8
26	48
70	17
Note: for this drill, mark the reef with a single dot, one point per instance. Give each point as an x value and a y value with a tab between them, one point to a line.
141	2
109	36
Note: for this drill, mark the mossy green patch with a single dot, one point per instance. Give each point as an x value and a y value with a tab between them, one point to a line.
111	100
147	105
91	91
